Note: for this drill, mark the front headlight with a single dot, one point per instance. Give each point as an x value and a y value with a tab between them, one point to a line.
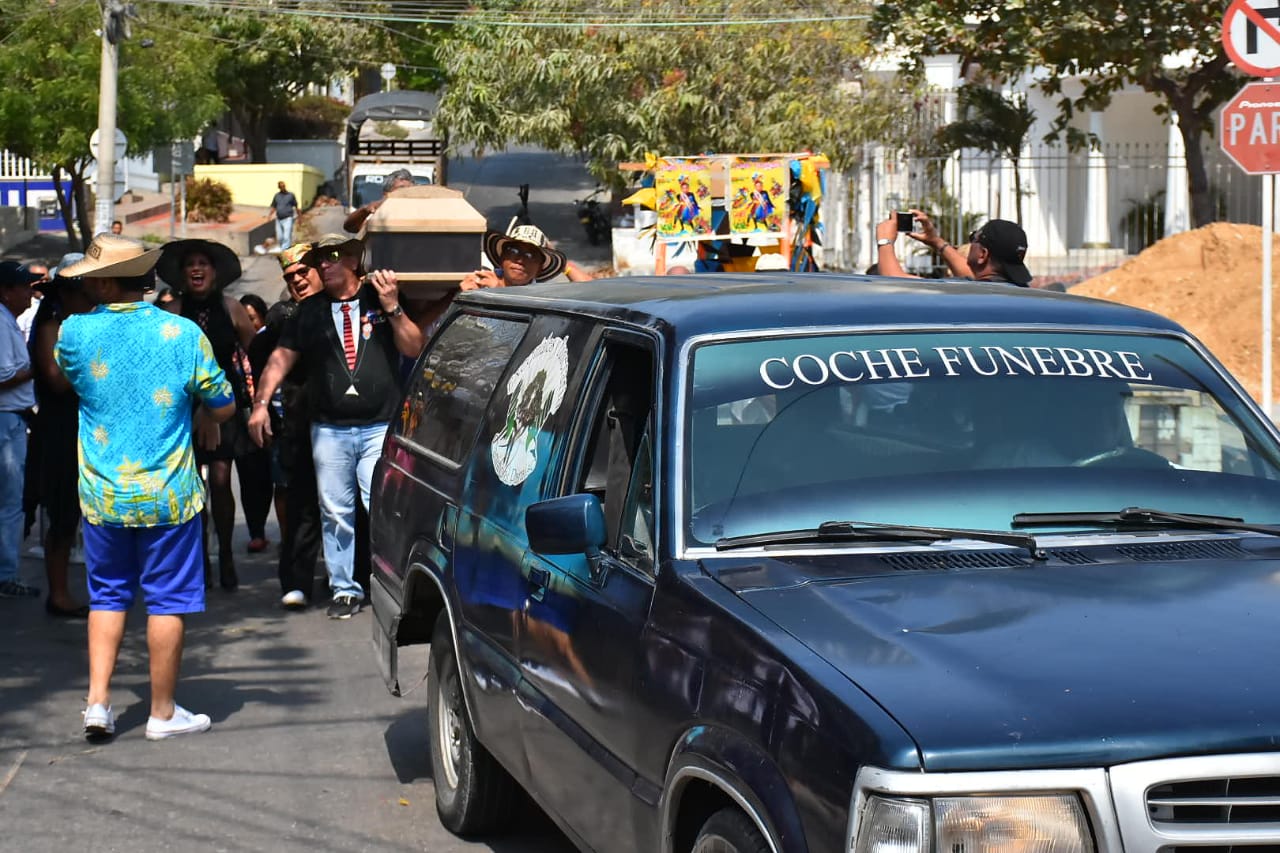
1050	823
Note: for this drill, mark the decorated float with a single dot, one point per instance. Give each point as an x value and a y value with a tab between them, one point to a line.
724	213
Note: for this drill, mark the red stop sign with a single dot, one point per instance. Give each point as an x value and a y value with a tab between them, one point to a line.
1249	128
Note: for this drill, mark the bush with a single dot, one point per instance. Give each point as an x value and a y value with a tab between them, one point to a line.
309	117
208	201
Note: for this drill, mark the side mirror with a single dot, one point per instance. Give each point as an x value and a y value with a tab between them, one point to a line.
573	524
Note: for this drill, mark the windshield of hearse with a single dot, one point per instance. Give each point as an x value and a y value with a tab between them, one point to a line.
964	430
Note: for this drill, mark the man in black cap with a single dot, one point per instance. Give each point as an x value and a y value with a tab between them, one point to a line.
996	253
17	397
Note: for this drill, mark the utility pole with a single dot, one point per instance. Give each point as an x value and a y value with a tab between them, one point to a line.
115	27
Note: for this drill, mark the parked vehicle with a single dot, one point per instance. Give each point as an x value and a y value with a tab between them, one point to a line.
595	218
819	563
388	131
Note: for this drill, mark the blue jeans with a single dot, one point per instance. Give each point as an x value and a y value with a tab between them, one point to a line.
284	232
13	461
344	457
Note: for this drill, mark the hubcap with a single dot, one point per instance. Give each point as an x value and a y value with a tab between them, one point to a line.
449	734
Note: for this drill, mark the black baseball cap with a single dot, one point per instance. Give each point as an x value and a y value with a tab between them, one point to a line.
1007	243
14	274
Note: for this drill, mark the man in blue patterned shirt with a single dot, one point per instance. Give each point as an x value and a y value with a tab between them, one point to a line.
139	372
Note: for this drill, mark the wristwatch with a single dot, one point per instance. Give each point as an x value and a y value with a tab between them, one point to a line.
395	312
884	241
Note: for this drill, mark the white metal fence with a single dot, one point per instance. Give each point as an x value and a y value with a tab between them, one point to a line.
1123	189
13	166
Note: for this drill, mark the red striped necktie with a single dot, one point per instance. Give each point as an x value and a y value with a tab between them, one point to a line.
348	339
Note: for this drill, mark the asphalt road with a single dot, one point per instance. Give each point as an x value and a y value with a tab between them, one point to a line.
308	751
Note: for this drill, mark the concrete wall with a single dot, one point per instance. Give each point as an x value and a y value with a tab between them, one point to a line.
16	226
322	154
255	183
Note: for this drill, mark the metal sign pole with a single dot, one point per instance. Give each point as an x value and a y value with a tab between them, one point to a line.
1268	226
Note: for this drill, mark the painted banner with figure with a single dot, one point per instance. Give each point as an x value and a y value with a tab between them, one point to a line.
757	196
684	199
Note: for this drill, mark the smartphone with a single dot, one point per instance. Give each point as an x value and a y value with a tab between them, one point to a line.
906	222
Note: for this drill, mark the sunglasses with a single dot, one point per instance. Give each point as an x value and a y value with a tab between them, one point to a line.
512	252
325	256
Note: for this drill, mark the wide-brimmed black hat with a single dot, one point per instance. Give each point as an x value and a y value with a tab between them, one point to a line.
1007	243
226	265
530	236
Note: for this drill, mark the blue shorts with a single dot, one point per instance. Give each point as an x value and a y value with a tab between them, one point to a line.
167	562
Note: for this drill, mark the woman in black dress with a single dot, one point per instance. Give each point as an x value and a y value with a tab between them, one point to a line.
257	491
198	271
52	468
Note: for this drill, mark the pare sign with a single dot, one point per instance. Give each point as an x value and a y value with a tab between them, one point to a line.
1249	127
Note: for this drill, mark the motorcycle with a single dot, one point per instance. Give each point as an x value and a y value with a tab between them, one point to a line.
595	218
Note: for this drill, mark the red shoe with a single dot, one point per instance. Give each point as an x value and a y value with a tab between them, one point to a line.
257	545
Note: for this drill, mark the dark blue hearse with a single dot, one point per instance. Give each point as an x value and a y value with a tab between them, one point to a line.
823	563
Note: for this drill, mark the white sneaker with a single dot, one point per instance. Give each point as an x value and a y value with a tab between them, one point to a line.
183	722
99	721
294	599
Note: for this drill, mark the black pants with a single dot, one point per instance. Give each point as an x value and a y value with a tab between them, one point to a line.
301	544
256	491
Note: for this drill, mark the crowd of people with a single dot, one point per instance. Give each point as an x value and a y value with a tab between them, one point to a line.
124	408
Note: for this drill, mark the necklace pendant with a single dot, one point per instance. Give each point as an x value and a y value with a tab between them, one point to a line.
351	390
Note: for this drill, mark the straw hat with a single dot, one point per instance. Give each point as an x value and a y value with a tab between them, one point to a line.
226	265
553	262
111	256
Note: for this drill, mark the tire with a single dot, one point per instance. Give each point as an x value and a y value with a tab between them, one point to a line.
729	831
474	794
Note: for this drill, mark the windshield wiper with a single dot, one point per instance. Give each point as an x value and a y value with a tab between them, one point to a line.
1137	516
865	531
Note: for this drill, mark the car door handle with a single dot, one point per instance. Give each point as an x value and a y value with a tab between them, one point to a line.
539	580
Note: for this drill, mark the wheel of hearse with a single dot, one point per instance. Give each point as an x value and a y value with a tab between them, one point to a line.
474	794
729	831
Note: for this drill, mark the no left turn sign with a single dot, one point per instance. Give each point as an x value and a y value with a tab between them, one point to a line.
1251	36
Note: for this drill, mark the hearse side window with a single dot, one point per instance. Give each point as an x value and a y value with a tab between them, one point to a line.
617	466
453	381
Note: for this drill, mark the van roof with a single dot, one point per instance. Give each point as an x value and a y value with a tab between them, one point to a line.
727	302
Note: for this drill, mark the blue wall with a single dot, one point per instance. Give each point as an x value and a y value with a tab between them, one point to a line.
34	192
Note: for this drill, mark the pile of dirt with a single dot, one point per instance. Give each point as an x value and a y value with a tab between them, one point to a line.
1210	281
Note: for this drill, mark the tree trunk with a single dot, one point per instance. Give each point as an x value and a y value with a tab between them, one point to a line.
64	205
1191	125
82	207
1017	189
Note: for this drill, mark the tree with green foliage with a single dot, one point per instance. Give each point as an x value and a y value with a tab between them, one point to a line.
612	93
990	122
264	59
1170	49
50	62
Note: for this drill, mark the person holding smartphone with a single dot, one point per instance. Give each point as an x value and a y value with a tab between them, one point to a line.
917	225
996	251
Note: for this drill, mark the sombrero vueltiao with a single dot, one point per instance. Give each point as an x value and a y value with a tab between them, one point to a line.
110	256
553	262
226	265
